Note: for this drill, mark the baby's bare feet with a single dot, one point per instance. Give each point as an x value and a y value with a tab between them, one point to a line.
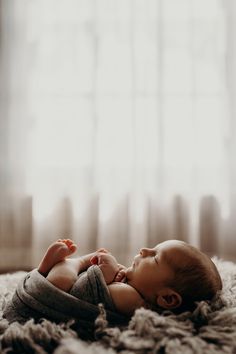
56	253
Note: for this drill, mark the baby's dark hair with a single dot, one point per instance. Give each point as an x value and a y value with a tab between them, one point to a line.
196	277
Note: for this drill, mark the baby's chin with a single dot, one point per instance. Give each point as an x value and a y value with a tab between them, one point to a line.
129	270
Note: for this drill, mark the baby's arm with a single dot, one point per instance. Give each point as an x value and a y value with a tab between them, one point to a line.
126	299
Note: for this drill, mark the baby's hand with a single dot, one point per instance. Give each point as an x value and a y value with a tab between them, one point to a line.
108	265
98	256
121	275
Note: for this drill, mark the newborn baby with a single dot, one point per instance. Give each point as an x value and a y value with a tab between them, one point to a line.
172	275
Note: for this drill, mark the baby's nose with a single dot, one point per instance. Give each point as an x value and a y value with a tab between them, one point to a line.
144	252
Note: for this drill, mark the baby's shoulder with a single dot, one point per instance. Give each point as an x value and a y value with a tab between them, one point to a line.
125	298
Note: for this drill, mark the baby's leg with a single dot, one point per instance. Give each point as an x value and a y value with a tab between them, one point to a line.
56	253
64	274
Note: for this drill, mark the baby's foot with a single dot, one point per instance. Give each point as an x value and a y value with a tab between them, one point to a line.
56	253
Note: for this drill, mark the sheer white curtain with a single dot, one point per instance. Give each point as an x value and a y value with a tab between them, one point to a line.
115	124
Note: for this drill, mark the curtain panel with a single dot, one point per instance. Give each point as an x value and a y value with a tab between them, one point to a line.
117	125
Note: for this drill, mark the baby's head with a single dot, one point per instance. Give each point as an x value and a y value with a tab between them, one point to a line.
174	275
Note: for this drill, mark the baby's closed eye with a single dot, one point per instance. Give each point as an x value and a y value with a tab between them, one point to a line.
156	259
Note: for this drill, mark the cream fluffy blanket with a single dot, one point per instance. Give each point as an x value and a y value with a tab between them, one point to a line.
210	329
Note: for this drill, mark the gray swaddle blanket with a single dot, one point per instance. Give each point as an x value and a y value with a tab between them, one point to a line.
35	297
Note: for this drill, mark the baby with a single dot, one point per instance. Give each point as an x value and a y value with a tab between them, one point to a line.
172	275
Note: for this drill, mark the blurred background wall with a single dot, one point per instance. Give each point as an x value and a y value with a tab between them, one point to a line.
117	125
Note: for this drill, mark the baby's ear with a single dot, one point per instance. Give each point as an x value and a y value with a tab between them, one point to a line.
168	299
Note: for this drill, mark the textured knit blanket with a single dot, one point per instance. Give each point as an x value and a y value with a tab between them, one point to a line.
35	297
210	329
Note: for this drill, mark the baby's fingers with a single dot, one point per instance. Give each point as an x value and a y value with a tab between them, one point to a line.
120	276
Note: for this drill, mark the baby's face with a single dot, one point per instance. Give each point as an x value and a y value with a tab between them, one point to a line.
152	268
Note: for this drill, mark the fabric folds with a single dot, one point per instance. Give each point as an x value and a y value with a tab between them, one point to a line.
35	297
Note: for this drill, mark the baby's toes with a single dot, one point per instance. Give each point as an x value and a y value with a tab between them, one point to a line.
68	242
72	247
103	250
